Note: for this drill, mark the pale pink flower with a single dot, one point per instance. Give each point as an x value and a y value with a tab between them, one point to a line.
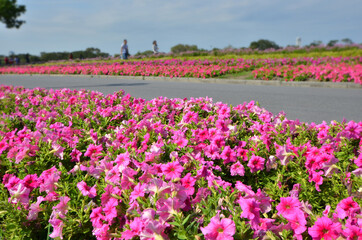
57	225
61	208
47	180
35	209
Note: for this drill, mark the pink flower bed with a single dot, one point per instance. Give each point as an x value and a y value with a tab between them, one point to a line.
327	68
328	72
81	165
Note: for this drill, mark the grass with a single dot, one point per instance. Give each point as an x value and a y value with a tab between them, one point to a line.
246	75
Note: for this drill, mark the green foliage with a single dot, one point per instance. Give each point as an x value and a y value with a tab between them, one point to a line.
9	12
263	44
179	48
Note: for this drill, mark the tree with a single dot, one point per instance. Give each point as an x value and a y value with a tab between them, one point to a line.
347	41
183	48
9	12
316	43
263	44
332	43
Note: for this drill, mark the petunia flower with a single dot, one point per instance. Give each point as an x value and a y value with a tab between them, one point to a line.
325	228
256	163
172	170
217	229
86	190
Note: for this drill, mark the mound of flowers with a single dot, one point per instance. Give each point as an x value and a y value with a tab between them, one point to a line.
81	165
327	72
335	69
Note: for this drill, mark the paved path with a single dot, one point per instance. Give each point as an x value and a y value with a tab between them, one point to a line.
308	104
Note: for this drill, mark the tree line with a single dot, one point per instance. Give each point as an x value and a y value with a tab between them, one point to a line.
55	56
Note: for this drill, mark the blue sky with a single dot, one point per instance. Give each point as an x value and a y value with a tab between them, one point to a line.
70	25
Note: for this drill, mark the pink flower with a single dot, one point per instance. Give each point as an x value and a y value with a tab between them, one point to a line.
352	232
136	227
172	170
228	155
237	169
31	181
61	208
75	154
325	228
97	217
86	190
138	191
47	180
188	183
57	225
35	209
347	207
58	150
251	209
93	151
219	230
110	210
298	222
19	193
153	230
256	163
288	206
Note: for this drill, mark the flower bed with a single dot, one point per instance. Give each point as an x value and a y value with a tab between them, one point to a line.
80	165
328	72
334	69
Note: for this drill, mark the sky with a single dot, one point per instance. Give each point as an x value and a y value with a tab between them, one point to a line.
71	25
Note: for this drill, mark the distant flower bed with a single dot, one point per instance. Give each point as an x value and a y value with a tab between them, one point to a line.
81	165
323	69
327	72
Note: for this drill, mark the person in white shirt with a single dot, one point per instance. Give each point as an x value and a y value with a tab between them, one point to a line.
155	47
124	50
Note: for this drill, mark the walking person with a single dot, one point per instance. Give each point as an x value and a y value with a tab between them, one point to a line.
155	47
124	50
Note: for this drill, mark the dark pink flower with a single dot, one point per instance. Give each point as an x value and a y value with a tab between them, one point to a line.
228	155
93	151
251	208
110	209
188	183
86	190
347	207
97	217
217	229
256	163
75	154
325	228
